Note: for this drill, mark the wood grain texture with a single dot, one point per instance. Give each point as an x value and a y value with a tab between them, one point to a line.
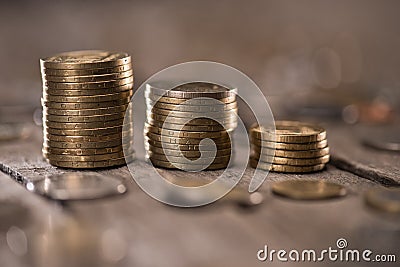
148	233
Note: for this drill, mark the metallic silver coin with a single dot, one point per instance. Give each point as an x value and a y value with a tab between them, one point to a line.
77	186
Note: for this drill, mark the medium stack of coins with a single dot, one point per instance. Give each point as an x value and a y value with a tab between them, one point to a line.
299	147
85	97
190	108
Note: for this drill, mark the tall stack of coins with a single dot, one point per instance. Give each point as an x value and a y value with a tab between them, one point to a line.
299	147
85	96
195	111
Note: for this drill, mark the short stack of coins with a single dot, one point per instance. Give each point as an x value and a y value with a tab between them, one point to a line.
190	107
299	147
85	98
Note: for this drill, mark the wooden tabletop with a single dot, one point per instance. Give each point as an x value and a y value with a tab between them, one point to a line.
135	230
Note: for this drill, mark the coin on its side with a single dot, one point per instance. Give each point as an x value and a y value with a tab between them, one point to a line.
289	146
196	121
285	168
384	199
83	125
83	151
184	114
87	85
187	134
193	102
96	118
115	155
187	147
81	145
292	161
88	78
92	164
86	112
88	92
194	90
295	154
182	160
189	127
86	72
186	167
183	140
217	107
88	99
90	132
191	154
308	189
79	106
290	132
88	138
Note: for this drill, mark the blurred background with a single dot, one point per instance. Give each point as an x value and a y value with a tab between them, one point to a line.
330	59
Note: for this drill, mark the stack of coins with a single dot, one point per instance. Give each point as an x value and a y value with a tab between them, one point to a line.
299	147
175	142
85	98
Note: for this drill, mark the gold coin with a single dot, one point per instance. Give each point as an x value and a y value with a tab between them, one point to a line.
85	112
192	102
90	132
88	78
187	134
285	168
79	106
194	90
187	147
97	118
88	138
88	99
83	125
187	154
86	72
192	108
308	189
196	121
186	167
190	128
88	92
88	59
292	161
289	146
182	114
384	199
87	85
182	160
183	140
81	145
92	164
297	154
290	132
115	155
84	152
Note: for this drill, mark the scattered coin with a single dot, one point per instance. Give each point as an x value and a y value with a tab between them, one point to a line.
384	199
385	145
85	100
77	186
308	189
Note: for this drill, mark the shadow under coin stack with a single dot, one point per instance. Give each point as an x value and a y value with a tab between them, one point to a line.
85	97
299	147
175	143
